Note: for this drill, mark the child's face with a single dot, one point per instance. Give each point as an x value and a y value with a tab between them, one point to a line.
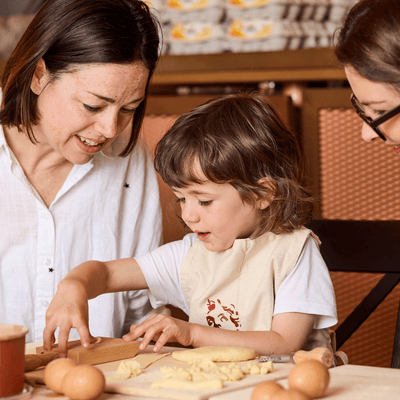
216	213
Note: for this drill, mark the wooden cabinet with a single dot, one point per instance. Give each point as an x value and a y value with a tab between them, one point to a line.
317	64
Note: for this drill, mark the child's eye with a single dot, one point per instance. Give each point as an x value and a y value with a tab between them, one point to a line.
204	203
180	200
91	108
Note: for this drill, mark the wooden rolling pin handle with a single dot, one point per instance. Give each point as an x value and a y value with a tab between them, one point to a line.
322	354
33	361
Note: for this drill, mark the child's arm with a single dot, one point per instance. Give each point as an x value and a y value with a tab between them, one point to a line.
69	307
288	334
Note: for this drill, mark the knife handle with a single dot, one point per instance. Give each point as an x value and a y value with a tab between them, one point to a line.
33	361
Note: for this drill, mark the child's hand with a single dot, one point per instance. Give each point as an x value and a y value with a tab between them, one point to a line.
162	329
68	309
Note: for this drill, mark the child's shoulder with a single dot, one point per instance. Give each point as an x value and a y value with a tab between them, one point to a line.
297	234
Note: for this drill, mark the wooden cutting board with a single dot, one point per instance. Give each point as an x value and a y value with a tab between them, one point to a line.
103	350
141	385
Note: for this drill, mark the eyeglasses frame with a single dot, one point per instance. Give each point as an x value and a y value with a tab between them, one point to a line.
373	123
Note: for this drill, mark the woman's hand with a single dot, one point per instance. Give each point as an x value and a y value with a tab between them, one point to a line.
162	329
68	309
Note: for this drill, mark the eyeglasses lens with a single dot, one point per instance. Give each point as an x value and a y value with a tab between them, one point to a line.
361	113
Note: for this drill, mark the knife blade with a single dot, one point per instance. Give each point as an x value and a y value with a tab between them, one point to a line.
278	358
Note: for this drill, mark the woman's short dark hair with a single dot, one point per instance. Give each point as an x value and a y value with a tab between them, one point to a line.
69	32
369	40
239	139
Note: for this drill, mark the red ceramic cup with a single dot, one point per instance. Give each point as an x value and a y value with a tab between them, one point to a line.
12	359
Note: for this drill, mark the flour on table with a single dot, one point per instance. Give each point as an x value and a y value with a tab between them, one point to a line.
178	384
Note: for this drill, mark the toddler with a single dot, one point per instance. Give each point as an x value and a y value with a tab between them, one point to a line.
250	274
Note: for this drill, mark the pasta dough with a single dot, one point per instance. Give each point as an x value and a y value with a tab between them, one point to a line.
145	360
128	369
131	368
205	374
215	353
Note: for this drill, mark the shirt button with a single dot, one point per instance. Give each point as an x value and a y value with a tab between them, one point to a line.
47	261
45	304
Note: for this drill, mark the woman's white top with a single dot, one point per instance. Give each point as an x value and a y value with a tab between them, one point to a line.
108	208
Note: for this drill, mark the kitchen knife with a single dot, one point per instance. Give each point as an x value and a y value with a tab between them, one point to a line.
281	358
322	354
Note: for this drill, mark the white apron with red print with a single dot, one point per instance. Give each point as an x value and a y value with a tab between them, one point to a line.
235	289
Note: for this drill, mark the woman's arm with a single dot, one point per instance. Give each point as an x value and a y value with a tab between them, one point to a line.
69	307
288	334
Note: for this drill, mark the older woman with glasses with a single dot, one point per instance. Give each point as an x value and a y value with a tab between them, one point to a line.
368	45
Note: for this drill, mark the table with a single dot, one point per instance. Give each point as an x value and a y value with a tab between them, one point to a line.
347	382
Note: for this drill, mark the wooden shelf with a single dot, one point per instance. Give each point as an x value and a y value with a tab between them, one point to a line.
317	64
302	65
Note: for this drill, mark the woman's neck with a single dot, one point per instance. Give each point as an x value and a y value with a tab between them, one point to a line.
45	169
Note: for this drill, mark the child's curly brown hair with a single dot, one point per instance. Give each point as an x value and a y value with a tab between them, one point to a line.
240	139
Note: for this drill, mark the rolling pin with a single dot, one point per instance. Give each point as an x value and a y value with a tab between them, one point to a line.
41	359
34	361
102	351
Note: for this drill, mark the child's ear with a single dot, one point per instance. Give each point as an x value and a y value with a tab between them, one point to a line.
40	77
264	202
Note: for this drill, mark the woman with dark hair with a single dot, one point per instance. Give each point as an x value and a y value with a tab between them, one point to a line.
368	45
76	181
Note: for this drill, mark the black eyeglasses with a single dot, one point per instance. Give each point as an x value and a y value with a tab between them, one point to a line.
373	123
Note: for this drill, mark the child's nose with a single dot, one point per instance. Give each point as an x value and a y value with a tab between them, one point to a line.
189	213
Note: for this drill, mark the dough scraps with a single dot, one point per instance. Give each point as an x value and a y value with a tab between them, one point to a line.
257	368
198	371
215	353
127	369
130	368
146	359
205	374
